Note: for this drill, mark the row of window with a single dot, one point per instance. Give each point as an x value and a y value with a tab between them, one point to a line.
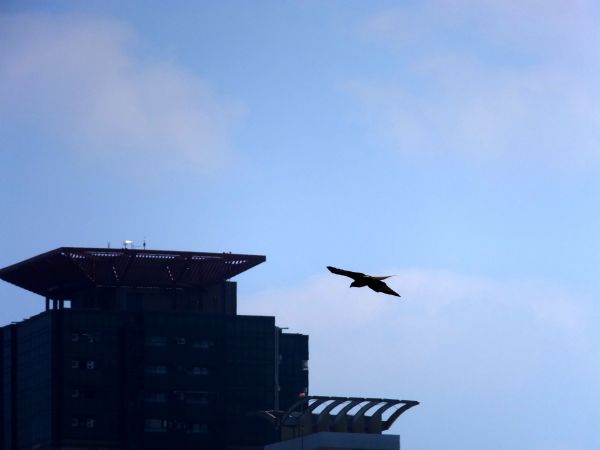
163	425
83	392
90	338
151	341
83	422
163	341
155	369
192	397
150	425
87	364
161	369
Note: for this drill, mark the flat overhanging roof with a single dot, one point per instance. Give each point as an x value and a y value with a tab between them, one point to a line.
60	273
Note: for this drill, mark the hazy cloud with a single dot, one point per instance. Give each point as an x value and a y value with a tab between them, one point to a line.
78	79
488	80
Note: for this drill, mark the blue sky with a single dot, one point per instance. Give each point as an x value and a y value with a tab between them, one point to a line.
453	143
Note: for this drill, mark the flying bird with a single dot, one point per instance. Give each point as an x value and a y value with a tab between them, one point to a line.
361	280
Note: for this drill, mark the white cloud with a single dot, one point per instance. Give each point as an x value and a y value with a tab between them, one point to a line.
78	78
488	80
553	27
453	342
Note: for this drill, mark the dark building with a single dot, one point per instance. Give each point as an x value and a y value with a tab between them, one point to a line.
141	349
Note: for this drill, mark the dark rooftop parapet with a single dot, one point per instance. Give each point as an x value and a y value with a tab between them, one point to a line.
60	273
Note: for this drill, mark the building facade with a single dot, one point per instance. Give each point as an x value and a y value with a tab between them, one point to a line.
142	349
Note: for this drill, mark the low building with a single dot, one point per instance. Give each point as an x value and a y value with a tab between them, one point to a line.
339	441
337	423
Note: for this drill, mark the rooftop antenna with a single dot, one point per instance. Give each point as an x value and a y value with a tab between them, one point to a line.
144	244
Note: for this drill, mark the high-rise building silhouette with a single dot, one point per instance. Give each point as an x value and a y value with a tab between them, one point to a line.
142	349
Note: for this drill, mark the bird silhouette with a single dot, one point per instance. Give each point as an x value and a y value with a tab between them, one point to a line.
361	280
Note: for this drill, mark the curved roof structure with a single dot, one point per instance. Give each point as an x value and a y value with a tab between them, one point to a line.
60	273
313	414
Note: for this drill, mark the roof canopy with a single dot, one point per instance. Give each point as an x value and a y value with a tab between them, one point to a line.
315	413
60	273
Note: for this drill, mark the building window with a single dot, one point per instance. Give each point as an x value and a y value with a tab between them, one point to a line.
202	344
155	397
85	422
156	369
156	341
155	425
305	364
197	370
180	341
200	428
89	364
198	398
90	337
83	392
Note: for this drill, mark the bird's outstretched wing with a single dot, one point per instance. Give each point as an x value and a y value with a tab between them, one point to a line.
380	286
347	273
381	278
